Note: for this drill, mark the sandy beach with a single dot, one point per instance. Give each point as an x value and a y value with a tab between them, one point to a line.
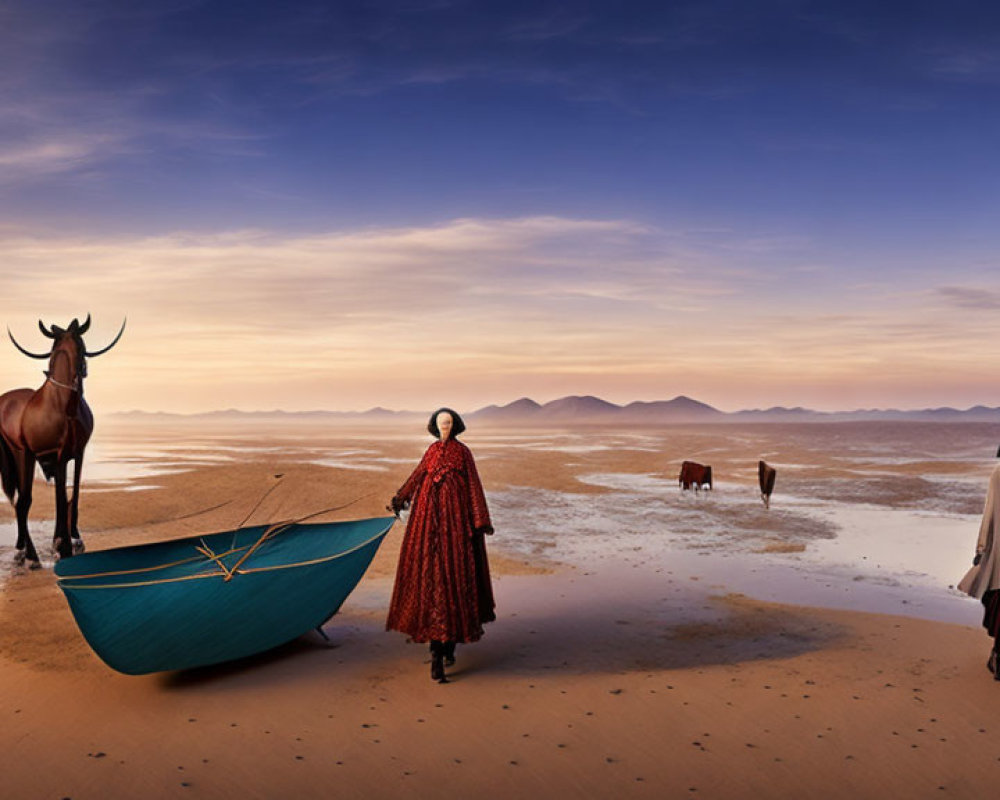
611	671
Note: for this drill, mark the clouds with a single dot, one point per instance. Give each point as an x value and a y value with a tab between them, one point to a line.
970	298
531	304
59	154
644	193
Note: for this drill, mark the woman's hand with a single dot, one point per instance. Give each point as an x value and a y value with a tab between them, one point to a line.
396	505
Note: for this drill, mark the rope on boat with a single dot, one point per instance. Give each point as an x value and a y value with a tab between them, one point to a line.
256	506
206	552
247	571
147	569
281	527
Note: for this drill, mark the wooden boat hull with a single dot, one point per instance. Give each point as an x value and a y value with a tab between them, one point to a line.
207	599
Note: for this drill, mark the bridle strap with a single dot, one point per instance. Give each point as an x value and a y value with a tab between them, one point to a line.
60	384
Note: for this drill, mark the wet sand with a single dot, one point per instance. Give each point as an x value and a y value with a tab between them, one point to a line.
626	678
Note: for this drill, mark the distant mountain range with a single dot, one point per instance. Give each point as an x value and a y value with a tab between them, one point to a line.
593	410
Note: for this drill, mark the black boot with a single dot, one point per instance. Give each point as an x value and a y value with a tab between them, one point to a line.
993	665
437	662
449	654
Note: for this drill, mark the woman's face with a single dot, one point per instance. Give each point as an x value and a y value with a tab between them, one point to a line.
444	423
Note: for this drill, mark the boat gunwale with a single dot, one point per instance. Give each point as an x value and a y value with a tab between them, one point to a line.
66	582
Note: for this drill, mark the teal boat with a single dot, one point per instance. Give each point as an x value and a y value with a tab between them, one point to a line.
207	599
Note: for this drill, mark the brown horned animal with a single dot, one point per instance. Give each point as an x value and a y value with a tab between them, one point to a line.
50	425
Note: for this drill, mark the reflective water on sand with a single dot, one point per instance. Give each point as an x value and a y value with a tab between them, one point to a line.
879	517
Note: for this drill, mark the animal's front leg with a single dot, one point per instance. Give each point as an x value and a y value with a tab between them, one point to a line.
60	540
25	547
74	506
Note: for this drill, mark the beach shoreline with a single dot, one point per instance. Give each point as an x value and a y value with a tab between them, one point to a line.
627	675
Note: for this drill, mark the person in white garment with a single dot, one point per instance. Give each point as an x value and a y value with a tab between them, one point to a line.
983	580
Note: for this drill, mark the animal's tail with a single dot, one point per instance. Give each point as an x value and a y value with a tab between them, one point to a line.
8	470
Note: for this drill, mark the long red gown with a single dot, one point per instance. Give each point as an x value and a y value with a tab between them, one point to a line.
443	591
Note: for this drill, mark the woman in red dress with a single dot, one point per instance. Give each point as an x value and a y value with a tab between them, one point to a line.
443	593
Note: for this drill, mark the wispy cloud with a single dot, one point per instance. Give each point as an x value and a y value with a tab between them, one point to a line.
392	315
55	155
976	64
969	298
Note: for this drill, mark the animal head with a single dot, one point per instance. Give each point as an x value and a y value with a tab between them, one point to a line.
69	341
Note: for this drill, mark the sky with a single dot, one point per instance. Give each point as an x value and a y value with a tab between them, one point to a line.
309	204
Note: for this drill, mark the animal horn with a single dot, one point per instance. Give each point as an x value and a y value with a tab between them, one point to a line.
44	330
85	326
26	352
113	343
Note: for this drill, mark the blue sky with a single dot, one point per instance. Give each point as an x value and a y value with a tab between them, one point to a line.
813	186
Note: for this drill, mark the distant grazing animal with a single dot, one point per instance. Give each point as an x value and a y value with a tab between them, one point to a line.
766	475
50	425
695	475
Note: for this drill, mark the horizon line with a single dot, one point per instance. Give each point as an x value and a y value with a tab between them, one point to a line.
622	406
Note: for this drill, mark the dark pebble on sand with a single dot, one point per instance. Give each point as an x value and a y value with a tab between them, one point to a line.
97	755
615	691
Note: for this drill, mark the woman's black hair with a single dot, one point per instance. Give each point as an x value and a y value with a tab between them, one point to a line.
457	425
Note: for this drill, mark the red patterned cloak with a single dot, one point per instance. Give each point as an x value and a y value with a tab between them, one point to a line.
443	591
